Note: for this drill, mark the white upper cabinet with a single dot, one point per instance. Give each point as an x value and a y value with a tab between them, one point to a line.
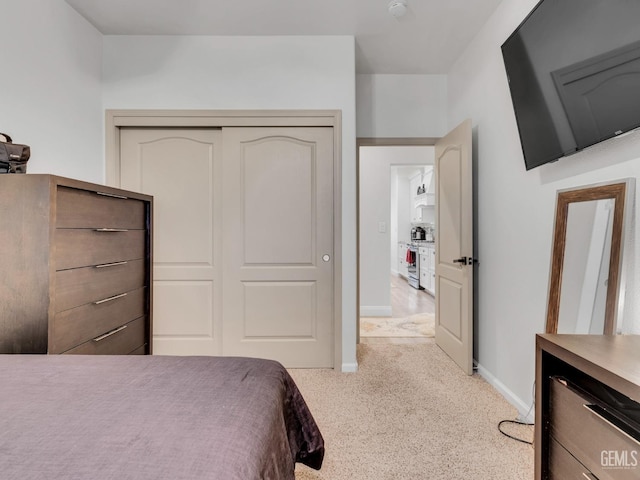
423	191
415	185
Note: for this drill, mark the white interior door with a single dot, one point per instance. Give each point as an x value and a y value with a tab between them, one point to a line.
278	244
454	246
181	168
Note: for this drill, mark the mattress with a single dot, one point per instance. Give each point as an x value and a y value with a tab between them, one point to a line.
160	417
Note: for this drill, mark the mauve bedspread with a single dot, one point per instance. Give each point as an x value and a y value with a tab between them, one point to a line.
152	417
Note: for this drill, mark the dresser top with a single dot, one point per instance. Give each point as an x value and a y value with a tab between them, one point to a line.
612	359
55	180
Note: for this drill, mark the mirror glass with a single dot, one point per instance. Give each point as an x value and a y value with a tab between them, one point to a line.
585	271
585	264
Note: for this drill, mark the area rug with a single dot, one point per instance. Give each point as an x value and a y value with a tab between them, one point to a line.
418	325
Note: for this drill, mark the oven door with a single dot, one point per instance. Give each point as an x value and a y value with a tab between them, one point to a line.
413	268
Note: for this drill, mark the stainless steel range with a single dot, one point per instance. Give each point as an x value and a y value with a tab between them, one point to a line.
413	267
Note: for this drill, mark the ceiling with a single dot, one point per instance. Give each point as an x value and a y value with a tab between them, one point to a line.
427	40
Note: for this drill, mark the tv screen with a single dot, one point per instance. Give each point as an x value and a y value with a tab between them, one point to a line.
574	75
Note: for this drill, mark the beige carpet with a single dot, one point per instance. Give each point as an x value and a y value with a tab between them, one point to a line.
409	413
419	325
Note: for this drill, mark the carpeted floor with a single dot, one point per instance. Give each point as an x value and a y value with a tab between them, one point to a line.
410	413
418	325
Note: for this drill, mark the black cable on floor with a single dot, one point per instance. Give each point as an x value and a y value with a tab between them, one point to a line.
517	422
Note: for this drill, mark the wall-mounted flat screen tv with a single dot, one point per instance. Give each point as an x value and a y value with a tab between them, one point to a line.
574	74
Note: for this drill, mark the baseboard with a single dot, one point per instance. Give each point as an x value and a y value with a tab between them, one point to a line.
524	409
381	311
349	367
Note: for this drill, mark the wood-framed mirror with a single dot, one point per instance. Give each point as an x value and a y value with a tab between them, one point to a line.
586	259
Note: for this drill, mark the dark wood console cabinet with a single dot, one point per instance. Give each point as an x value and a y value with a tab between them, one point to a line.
587	407
75	267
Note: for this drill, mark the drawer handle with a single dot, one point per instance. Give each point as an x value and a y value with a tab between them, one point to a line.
105	194
592	409
114	264
109	230
108	334
115	297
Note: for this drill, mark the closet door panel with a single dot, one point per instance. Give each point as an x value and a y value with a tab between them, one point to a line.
180	167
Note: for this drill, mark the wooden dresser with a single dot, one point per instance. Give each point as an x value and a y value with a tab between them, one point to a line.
75	267
587	407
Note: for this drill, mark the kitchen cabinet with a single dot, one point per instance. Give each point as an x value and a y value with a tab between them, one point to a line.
415	183
428	196
417	215
425	198
427	268
402	260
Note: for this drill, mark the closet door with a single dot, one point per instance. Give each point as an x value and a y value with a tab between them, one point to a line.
278	244
181	168
243	254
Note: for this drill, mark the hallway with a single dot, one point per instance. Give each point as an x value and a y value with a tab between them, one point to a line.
407	301
411	321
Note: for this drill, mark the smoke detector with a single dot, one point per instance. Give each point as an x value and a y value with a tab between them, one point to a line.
397	8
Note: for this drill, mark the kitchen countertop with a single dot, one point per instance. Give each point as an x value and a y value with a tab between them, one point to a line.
423	243
420	243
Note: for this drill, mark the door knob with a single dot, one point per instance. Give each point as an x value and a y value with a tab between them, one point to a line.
465	260
326	258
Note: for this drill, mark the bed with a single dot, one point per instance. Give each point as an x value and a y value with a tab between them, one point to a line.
160	417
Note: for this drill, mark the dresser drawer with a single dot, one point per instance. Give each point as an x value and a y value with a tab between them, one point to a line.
82	248
81	286
120	341
588	436
86	209
562	465
73	327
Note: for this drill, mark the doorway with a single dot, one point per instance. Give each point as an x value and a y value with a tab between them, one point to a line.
454	255
391	204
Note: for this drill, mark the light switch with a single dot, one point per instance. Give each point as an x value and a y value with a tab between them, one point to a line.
382	227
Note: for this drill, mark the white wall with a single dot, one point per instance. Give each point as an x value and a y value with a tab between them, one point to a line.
401	105
391	106
208	72
50	93
393	220
516	209
375	246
